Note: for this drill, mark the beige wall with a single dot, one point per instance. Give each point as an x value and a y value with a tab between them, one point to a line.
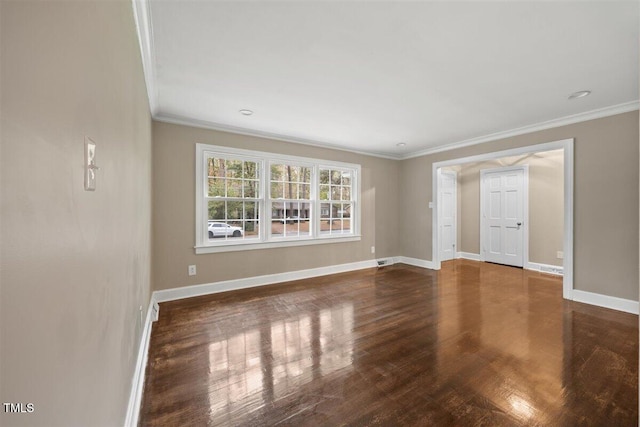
174	212
605	200
75	265
546	204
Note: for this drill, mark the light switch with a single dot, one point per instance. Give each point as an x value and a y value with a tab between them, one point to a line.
430	205
90	167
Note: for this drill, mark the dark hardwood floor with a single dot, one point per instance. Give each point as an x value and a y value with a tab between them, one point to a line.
473	344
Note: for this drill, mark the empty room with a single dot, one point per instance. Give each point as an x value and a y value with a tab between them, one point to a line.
319	213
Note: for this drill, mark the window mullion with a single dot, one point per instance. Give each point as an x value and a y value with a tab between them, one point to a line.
315	202
266	198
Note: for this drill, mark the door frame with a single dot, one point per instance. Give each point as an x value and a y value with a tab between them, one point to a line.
455	202
525	209
567	146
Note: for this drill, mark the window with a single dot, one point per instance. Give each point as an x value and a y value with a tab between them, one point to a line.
251	200
336	201
290	200
232	198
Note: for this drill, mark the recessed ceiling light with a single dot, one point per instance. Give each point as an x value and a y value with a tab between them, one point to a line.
580	94
246	112
401	144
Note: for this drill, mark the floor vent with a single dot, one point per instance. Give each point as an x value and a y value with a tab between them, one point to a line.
382	262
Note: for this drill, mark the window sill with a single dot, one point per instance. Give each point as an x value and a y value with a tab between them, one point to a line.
274	244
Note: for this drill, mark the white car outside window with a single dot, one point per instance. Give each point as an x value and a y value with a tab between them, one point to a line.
220	229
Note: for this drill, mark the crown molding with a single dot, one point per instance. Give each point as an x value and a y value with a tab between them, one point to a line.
142	17
549	124
204	124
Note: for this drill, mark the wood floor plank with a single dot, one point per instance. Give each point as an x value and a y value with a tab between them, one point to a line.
473	344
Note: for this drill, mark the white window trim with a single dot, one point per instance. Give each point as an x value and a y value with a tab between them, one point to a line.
265	240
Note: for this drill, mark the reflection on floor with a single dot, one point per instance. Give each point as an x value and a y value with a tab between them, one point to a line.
472	344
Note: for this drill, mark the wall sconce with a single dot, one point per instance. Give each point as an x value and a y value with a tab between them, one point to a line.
90	167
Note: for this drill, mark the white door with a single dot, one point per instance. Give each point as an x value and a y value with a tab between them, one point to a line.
447	214
502	215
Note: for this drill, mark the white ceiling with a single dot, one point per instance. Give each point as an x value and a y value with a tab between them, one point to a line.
364	76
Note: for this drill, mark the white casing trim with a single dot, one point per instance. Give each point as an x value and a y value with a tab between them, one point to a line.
137	383
606	301
544	268
251	282
415	262
468	255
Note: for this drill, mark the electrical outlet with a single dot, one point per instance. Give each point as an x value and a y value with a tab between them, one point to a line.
192	270
560	254
373	249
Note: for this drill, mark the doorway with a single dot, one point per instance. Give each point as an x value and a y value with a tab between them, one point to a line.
566	146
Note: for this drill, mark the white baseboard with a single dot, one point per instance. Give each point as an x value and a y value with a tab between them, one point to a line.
606	301
137	384
415	262
557	270
250	282
468	255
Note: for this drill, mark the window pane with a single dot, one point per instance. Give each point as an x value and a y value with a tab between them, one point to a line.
346	178
277	228
344	210
215	167
324	192
250	210
251	189
335	193
290	190
277	190
305	174
233	168
251	229
234	210
305	191
216	187
324	176
234	188
346	193
325	210
293	173
216	210
277	173
250	170
336	177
